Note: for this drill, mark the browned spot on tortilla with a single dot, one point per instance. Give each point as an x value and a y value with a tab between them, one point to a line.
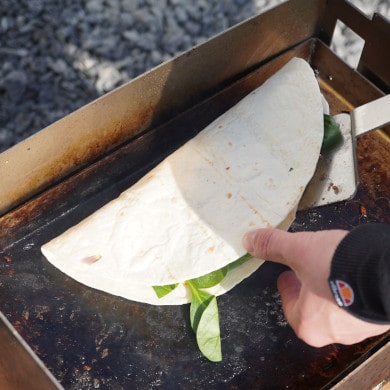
91	259
211	249
229	195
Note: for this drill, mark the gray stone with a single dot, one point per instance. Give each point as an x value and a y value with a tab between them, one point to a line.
108	77
58	65
56	56
129	5
131	36
15	84
95	6
35	6
5	138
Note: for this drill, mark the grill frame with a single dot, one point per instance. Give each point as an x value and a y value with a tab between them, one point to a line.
97	170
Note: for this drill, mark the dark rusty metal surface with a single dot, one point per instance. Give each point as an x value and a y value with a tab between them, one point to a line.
89	339
126	164
151	99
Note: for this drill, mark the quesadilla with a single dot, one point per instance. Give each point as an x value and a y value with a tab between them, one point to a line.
186	217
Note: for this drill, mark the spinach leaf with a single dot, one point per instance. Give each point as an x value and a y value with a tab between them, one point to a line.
204	316
204	319
208	334
213	278
161	291
332	134
243	259
210	279
199	301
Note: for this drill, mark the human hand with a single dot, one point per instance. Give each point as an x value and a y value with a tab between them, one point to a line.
308	303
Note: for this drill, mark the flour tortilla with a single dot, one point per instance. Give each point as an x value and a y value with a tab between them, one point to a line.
186	217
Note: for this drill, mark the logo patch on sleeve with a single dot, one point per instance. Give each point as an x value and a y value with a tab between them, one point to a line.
342	292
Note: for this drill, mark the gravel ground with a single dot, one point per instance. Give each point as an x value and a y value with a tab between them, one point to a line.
58	55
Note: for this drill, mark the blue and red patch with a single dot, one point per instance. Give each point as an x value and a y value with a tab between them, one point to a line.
342	292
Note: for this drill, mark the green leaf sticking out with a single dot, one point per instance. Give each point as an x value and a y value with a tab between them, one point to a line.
332	134
243	259
205	323
204	316
199	301
161	291
208	334
211	279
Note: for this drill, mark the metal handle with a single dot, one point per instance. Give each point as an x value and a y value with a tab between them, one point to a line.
370	116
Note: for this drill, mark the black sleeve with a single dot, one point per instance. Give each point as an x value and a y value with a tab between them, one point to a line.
360	273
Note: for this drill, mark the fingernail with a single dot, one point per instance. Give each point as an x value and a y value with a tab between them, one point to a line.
248	241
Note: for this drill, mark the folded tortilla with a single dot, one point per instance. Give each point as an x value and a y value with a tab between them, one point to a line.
186	217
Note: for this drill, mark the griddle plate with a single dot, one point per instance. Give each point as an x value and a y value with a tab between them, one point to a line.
90	339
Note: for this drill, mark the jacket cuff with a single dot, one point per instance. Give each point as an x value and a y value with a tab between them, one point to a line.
360	273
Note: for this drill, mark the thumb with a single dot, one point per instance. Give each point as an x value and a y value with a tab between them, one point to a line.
310	252
274	245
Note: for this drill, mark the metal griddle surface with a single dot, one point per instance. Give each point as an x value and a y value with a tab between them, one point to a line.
90	339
